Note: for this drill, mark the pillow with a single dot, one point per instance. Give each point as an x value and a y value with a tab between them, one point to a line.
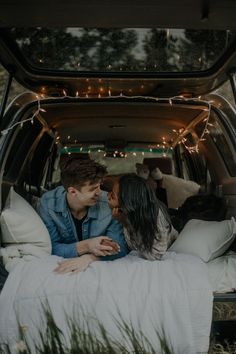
178	190
205	239
20	224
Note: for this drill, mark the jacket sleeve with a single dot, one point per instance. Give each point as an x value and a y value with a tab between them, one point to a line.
58	247
115	232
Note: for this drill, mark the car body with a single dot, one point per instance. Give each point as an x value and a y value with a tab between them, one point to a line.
92	79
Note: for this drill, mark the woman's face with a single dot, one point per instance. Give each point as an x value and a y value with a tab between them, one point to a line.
113	200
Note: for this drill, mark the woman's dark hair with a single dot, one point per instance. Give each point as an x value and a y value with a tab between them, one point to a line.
140	206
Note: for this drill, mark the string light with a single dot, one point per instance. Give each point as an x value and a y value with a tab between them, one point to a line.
205	131
180	134
30	119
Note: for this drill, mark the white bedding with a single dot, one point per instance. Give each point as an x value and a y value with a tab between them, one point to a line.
222	273
172	295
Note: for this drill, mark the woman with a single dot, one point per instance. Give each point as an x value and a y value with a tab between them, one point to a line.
147	225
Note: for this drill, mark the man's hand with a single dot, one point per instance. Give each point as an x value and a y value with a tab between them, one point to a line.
102	246
97	247
75	265
115	246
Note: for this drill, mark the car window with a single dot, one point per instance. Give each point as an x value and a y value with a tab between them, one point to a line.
3	80
15	90
121	50
218	136
117	162
226	91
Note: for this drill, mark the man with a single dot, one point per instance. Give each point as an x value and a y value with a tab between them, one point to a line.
78	217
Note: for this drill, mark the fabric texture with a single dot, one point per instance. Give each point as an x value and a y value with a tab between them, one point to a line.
205	239
154	297
56	215
23	231
222	273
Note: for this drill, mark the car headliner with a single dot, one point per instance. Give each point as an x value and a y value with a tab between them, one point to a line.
198	14
102	120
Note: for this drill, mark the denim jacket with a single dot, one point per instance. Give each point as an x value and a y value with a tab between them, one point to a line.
57	217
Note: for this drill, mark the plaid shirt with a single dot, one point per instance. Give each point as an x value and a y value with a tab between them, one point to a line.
163	239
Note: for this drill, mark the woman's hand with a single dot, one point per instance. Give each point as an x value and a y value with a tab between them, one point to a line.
75	265
102	246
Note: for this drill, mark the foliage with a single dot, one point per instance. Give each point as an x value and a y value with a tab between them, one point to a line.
101	49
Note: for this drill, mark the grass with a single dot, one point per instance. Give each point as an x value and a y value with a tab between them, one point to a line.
225	348
83	341
223	311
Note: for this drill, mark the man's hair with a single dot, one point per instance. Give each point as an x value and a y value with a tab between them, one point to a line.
75	172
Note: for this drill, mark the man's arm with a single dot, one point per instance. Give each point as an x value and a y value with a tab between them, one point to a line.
115	232
58	247
74	249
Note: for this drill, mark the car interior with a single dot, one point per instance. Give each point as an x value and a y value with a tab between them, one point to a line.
120	106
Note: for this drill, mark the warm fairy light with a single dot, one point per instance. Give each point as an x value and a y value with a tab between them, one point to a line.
180	132
30	119
167	33
195	147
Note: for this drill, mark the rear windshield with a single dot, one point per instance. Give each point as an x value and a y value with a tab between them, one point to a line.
122	50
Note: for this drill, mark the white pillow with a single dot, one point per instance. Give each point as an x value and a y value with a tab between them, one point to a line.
205	239
20	224
178	190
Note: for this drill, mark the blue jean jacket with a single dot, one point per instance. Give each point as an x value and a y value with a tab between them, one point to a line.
57	217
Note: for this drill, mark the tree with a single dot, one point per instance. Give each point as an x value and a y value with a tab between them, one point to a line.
159	47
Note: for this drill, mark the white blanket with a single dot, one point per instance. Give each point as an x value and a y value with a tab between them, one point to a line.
172	296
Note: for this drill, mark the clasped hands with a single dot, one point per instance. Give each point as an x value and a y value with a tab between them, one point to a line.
91	250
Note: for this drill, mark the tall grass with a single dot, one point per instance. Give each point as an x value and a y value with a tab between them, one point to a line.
51	340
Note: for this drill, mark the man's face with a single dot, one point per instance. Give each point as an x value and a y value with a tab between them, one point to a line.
89	193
